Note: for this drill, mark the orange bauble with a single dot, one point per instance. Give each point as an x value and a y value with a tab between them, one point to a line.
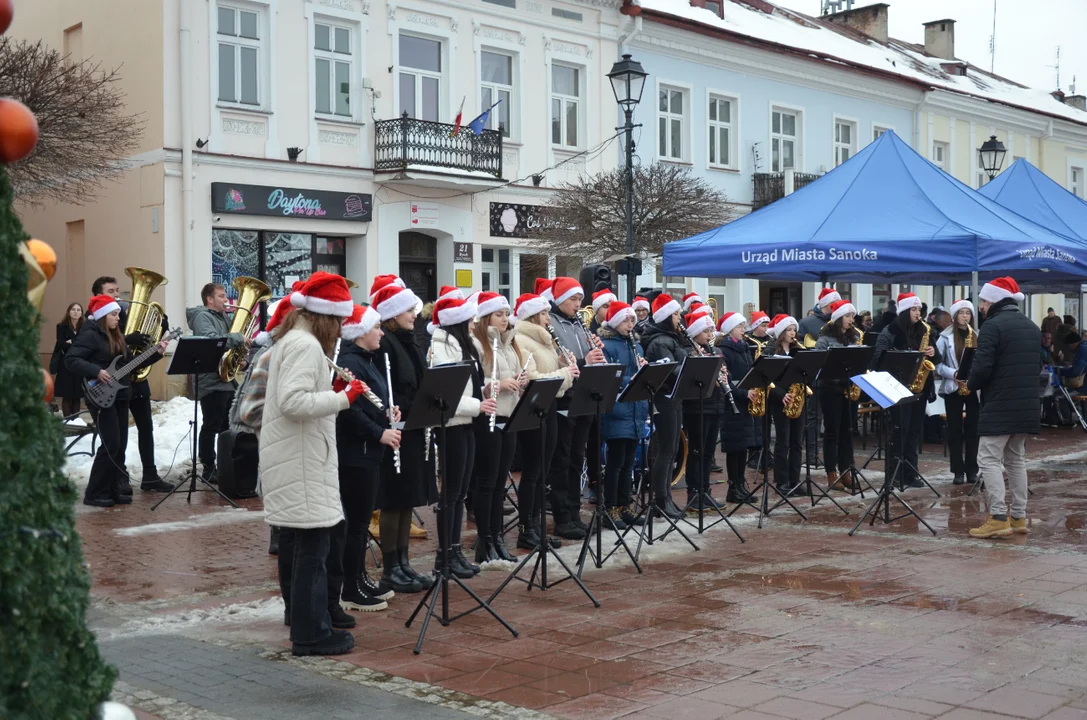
18	130
46	377
7	10
47	259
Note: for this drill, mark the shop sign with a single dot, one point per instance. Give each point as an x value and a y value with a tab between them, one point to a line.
462	252
515	220
234	199
424	215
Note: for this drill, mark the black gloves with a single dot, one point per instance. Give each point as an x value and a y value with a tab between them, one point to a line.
137	339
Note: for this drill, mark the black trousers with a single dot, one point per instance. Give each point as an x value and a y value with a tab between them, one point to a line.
811	424
459	457
962	434
736	466
787	445
494	455
837	429
140	407
619	472
304	556
566	463
532	472
107	472
215	409
666	430
700	454
907	423
358	494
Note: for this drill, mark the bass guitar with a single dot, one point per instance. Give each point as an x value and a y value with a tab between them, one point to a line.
103	394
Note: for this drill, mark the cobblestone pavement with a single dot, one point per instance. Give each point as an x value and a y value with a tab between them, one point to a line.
800	621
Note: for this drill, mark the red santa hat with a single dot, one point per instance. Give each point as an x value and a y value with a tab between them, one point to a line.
277	311
449	291
698	308
542	288
697	323
962	305
907	301
564	288
641	303
999	289
530	304
840	308
490	302
689	298
324	294
780	323
381	281
663	307
363	319
453	311
618	312
602	298
828	296
101	305
729	321
393	300
759	318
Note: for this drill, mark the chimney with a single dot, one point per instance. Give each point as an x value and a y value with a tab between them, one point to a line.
940	39
1058	95
1077	101
870	20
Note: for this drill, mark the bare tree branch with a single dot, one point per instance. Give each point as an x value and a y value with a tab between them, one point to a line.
84	131
588	217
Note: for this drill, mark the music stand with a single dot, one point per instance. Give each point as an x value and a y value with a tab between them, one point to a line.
529	415
762	376
193	356
435	403
841	365
697	379
803	369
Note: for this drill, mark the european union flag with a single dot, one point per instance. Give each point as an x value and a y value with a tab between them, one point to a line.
477	125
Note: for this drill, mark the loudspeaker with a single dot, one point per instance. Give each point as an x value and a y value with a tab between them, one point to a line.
594	278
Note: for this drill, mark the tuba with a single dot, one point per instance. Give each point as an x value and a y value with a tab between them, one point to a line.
854	391
251	292
970	342
927	367
586	315
757	407
144	316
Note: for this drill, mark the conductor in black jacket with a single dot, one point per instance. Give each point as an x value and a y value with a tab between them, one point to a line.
1005	370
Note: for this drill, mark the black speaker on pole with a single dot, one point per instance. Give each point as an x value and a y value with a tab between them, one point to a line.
594	278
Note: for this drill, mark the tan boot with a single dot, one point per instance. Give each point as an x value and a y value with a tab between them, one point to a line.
416	531
375	524
832	479
992	528
1019	525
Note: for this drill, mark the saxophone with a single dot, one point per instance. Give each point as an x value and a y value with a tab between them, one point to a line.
970	342
800	393
854	391
757	407
927	367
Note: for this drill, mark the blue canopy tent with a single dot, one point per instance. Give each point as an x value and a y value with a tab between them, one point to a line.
885	215
1026	190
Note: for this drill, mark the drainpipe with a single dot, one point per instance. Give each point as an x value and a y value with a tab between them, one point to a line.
634	31
185	69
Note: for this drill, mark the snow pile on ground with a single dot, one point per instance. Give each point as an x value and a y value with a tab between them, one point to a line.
224	516
196	619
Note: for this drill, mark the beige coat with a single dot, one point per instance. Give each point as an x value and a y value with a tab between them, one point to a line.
298	462
445	349
509	366
533	338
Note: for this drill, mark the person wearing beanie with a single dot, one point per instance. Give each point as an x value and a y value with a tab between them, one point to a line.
906	333
737	430
531	339
494	450
662	341
414	486
834	401
299	472
94	349
574	444
542	287
703	417
788	431
623	427
962	435
452	343
1005	371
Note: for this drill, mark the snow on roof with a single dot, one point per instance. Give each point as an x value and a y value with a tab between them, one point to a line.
833	42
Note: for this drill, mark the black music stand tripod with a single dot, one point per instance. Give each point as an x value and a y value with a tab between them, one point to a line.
841	365
430	409
192	356
529	415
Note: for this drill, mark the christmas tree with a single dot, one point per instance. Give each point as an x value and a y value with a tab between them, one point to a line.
49	662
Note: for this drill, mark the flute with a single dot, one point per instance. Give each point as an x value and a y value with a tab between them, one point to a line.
389	410
524	369
348	378
494	381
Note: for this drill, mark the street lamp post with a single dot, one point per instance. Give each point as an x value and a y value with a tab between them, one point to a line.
627	82
991	156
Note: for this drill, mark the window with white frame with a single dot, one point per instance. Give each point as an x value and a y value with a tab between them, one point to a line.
565	105
238	34
1075	176
784	139
420	77
980	179
333	60
496	86
719	119
877	131
940	152
671	121
845	139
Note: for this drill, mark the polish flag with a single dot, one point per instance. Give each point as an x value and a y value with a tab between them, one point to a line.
459	118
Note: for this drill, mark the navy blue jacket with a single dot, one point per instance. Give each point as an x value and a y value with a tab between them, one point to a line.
626	421
359	427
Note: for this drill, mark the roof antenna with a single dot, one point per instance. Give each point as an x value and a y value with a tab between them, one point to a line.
833	6
1058	67
992	44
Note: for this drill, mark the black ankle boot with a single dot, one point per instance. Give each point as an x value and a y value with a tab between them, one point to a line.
737	493
424	580
458	557
455	567
395	577
485	550
500	548
527	538
273	541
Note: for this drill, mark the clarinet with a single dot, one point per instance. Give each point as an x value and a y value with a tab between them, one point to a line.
567	356
722	377
389	410
494	380
593	341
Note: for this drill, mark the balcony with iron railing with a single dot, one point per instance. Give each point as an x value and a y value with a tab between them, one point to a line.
769	187
407	143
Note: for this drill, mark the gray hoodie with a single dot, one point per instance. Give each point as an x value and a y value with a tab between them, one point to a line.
205	322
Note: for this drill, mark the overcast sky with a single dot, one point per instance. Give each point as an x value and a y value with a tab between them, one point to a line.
1027	34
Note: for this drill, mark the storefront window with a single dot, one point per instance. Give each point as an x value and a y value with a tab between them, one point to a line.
234	253
287	257
276	258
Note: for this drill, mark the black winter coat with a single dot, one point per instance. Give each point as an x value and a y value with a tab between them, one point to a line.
408	365
715	403
359	427
67	384
807	334
662	342
737	429
90	353
1005	370
892	338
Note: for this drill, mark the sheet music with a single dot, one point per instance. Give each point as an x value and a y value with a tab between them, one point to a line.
882	387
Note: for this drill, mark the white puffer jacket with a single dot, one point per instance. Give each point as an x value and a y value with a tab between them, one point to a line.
509	366
298	462
949	362
533	338
445	349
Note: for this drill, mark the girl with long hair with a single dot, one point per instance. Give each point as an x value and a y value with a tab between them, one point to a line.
663	339
738	431
67	386
789	431
962	433
836	406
